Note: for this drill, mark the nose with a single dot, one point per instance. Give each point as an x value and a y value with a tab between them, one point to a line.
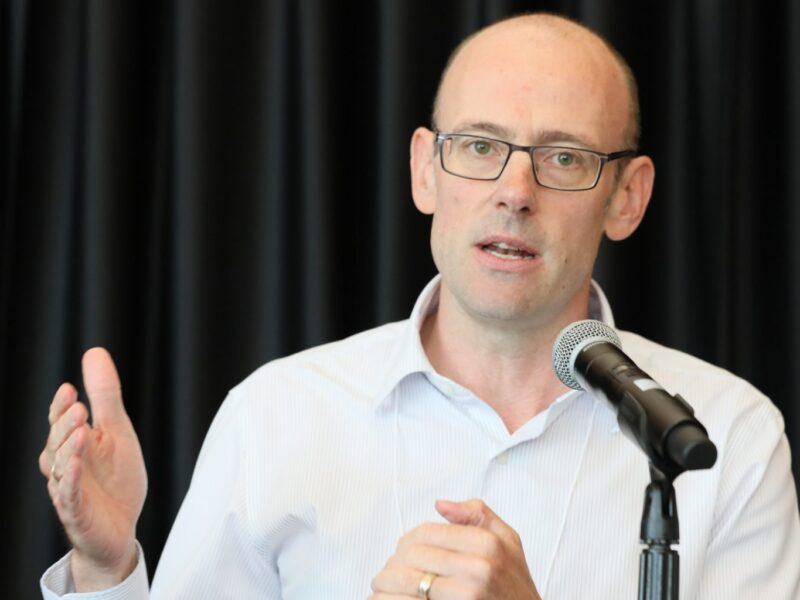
517	187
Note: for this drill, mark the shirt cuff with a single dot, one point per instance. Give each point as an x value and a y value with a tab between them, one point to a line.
57	583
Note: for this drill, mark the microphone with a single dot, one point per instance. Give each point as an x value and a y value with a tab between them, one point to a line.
588	355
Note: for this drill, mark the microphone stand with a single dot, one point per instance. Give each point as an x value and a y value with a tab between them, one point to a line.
659	563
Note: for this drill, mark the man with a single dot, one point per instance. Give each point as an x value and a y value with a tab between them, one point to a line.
323	473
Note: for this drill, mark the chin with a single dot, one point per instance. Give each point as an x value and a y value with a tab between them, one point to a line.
510	313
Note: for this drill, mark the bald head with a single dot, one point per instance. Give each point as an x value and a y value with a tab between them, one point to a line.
534	48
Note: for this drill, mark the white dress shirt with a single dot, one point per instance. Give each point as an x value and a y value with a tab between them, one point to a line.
318	463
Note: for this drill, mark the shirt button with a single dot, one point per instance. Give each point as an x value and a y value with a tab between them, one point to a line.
502	458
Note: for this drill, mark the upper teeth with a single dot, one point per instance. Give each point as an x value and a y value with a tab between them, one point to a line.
507	251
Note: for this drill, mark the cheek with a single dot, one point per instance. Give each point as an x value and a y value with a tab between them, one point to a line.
579	238
444	233
440	236
450	216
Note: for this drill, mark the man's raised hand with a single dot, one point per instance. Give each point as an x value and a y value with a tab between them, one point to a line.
95	475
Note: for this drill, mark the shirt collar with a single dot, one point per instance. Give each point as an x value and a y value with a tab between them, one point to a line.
599	308
409	356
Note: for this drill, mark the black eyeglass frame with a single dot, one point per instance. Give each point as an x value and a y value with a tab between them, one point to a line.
441	136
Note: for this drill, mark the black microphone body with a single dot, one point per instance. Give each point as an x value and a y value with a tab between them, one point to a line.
660	423
588	355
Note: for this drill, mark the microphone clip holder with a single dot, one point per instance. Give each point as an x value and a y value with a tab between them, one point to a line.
659	563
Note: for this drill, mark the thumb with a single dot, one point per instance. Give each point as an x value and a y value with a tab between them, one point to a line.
468	512
477	514
102	385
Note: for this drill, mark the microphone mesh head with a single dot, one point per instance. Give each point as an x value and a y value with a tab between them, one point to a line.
574	335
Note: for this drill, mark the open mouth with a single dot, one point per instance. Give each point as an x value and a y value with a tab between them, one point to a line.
507	251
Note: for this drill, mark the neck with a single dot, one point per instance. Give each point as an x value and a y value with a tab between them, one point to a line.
507	365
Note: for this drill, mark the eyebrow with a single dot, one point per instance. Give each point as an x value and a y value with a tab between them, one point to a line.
554	135
484	127
542	137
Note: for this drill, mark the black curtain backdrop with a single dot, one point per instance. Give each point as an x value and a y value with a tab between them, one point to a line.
204	186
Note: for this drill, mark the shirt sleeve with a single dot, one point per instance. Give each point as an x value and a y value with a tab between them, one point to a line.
755	543
56	583
213	549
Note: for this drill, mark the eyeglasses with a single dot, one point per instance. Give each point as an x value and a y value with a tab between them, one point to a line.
554	167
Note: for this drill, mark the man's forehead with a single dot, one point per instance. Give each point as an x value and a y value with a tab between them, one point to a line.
519	75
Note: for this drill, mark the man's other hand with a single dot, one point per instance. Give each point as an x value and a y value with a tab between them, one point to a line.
475	555
95	475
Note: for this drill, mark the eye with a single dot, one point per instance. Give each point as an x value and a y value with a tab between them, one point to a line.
481	147
565	159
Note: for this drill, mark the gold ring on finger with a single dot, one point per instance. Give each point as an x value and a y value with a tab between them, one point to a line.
425	584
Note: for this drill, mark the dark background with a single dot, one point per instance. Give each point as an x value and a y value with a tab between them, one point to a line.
203	186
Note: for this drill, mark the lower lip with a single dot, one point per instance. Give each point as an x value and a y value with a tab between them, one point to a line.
507	264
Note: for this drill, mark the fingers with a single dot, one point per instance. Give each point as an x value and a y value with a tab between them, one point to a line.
64	476
67	414
72	447
400	580
445	562
65	492
468	512
103	389
403	582
457	538
71	418
476	513
66	395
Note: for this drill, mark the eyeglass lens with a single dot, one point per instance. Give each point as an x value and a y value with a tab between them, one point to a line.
557	167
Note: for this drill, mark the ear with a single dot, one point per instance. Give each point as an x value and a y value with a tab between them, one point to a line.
626	208
423	181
